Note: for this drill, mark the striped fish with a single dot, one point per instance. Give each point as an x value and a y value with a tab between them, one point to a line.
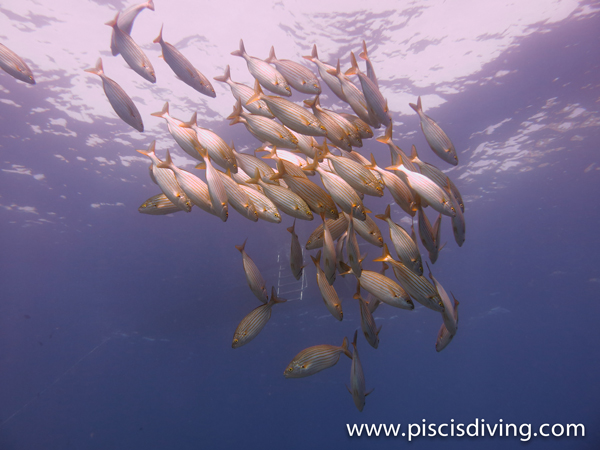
439	142
263	128
448	313
426	231
166	180
367	322
417	286
353	173
372	301
243	93
370	70
132	53
335	132
401	193
329	255
339	250
348	127
398	156
336	228
444	336
434	195
317	199
265	208
324	71
254	322
405	247
284	199
295	253
158	205
12	64
352	248
364	130
355	98
297	76
185	137
437	233
314	359
183	68
267	76
118	98
383	288
253	276
218	150
216	188
293	116
376	104
306	144
194	187
330	297
125	21
250	163
369	231
360	159
237	197
458	223
357	379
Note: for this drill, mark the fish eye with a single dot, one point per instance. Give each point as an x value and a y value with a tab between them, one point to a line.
304	366
290	369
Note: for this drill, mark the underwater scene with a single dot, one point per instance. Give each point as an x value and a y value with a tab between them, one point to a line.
299	225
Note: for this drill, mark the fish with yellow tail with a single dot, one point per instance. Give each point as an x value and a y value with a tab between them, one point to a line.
253	276
314	359
357	379
328	292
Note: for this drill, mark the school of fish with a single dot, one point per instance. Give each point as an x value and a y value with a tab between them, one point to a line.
306	144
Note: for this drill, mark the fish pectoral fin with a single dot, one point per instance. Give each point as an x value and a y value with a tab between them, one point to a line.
367	393
348	389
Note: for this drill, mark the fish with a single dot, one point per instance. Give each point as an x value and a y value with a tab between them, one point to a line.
417	286
216	188
194	187
370	70
437	235
444	336
255	280
158	205
458	222
401	193
324	71
185	137
367	322
293	116
382	287
218	150
335	133
266	75
314	359
249	164
405	247
357	379
132	53
125	22
265	208
295	253
328	293
398	156
439	142
254	322
336	227
448	313
14	65
283	198
329	255
118	98
183	68
369	231
376	104
372	301
426	231
243	93
352	248
354	97
297	76
317	199
237	197
263	128
166	180
364	130
339	249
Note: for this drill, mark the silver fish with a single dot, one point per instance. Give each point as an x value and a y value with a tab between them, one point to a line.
444	336
243	93
184	136
12	64
357	379
253	276
132	53
426	231
118	99
314	359
183	68
324	70
363	127
448	313
330	297
369	231
370	70
216	188
158	205
398	156
297	76
265	208
237	198
218	150
367	322
267	75
125	21
336	227
295	253
458	223
439	142
402	194
355	98
329	256
352	248
336	134
254	322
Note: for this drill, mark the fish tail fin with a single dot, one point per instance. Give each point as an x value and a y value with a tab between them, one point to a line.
345	348
237	111
311	103
293	227
387	137
242	247
312	166
373	164
271	154
316	259
257	93
418	107
385	254
354	69
355	338
159	39
272	56
150	150
190	123
164	113
385	215
225	77
150	5
413	153
113	23
167	163
255	178
364	55
313	56
241	52
357	294
98	70
200	166
274	299
346	269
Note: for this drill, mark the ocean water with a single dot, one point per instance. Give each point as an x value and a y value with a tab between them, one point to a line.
116	327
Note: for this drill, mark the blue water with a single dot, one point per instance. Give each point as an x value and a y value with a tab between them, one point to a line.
116	327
